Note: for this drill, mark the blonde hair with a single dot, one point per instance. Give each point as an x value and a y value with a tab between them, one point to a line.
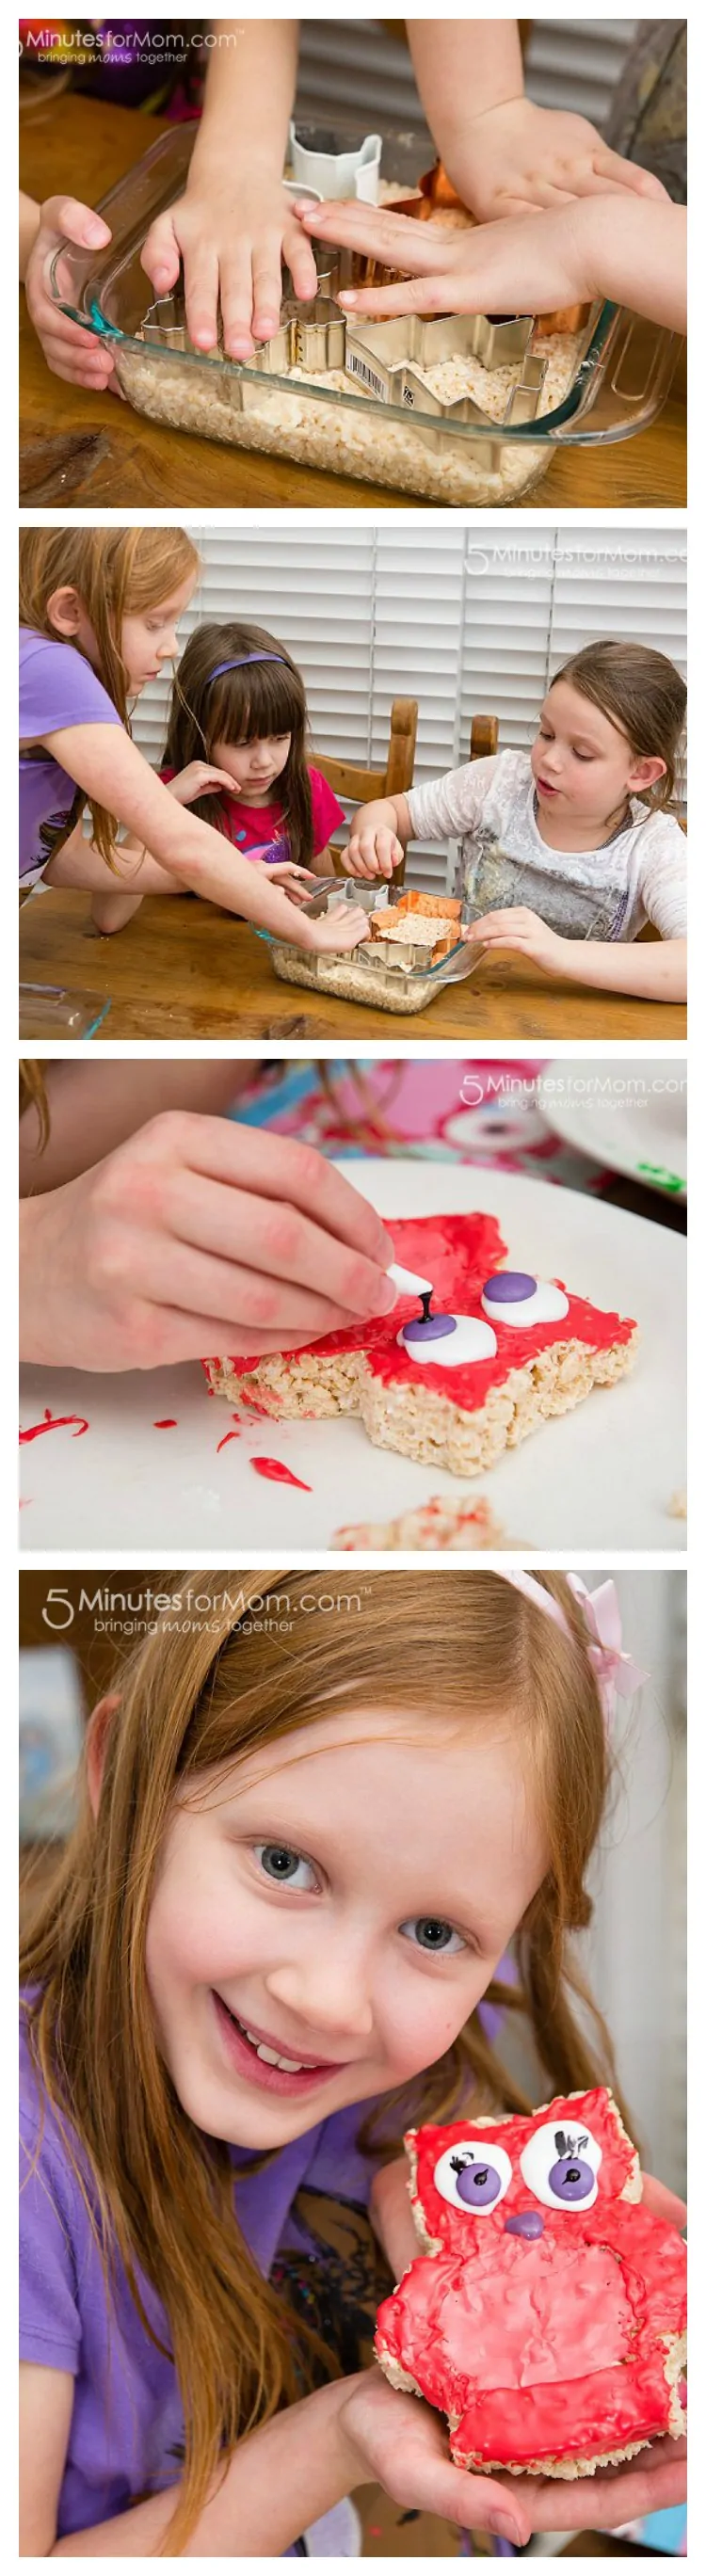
117	572
197	1695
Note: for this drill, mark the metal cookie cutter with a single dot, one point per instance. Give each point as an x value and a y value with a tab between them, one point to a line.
165	327
388	358
317	335
315	155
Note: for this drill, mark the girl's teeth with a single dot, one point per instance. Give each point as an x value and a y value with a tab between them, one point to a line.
291	2064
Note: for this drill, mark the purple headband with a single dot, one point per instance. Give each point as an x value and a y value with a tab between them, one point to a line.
240	663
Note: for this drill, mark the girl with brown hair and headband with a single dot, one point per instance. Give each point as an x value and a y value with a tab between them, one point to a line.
239	705
321	1836
99	612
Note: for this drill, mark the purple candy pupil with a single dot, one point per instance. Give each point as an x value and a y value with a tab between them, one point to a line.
478	2185
571	2179
507	1287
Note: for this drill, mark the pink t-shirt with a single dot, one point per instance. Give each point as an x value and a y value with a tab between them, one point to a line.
251	827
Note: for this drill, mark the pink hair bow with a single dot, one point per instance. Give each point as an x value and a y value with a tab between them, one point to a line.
616	1673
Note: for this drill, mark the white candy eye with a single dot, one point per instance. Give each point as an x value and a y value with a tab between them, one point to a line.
474	2175
513	1298
560	2165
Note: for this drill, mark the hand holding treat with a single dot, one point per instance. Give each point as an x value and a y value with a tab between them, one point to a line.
547	2316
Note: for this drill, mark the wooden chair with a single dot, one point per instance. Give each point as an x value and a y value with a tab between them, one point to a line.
351	782
359	786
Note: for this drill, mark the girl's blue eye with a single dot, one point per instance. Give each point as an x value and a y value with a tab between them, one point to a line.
583	755
280	1864
432	1935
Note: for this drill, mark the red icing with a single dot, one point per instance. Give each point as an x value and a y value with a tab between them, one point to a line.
165	1426
279	1475
548	2347
55	1422
227	1435
459	1253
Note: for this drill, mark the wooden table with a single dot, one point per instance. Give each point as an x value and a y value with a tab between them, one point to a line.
186	969
82	448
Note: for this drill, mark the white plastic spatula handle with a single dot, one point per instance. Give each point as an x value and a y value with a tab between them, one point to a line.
408	1283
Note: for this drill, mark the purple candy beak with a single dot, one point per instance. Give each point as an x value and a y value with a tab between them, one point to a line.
526	2222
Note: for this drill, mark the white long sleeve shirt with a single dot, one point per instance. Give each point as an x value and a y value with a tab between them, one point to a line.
639	875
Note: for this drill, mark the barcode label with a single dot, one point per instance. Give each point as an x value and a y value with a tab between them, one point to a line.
356	366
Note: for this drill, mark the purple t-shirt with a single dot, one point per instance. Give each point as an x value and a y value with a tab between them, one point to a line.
57	687
127	2427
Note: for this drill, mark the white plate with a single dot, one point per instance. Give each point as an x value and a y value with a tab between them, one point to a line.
598	1478
631	1116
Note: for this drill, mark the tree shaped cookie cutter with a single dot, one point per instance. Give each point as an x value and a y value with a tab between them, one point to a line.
385	359
388	359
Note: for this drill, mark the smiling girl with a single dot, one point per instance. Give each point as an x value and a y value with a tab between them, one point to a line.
569	851
312	1827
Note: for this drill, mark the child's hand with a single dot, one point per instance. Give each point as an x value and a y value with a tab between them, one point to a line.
197	1235
372	852
404	2444
527	264
299	883
70	351
517	158
337	930
231	242
199	779
522	931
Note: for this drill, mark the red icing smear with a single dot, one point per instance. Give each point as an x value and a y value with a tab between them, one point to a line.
549	2347
55	1422
278	1474
459	1253
165	1426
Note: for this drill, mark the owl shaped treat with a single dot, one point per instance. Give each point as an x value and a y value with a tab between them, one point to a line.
546	2317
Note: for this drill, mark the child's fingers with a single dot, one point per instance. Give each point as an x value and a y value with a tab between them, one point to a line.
278	1168
609	168
197	1281
236	290
417	295
80	223
433	2485
160	255
266	285
268	1248
201	293
300	262
651	2484
397	239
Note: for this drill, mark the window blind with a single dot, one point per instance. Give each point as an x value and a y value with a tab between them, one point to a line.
467	620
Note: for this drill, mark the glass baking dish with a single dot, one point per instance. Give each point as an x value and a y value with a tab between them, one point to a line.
604	382
360	974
